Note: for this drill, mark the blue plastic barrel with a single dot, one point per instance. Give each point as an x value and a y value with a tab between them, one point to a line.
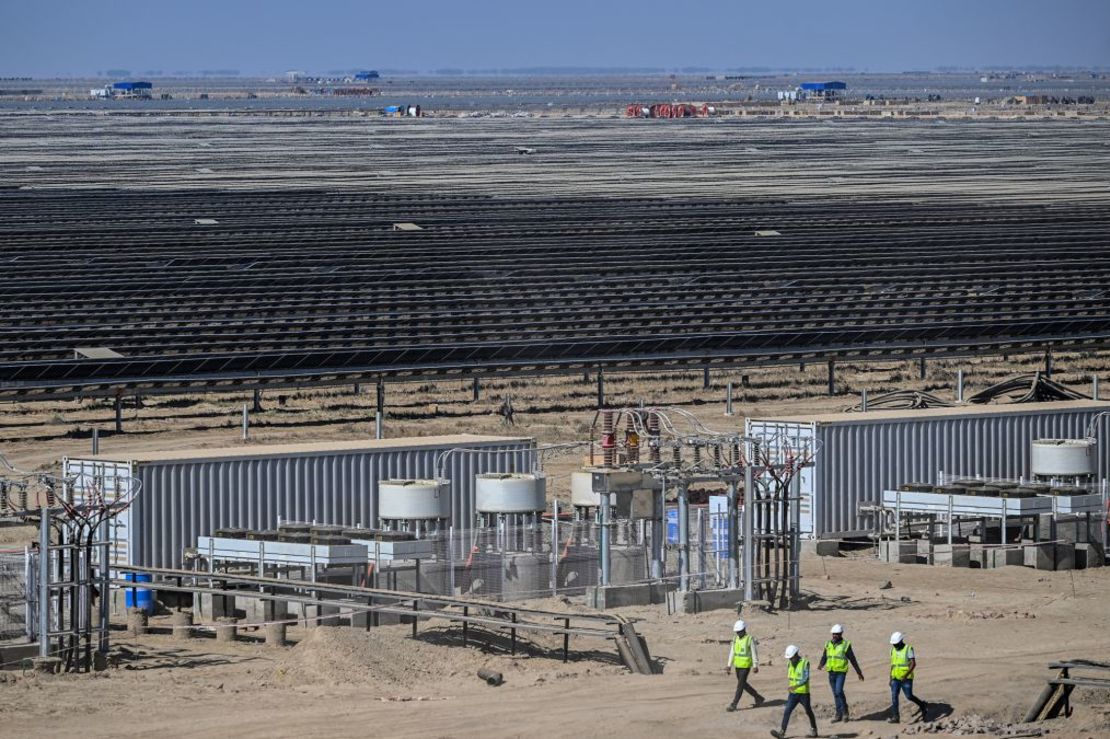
139	597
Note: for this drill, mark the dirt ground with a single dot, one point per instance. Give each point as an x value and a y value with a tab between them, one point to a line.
984	637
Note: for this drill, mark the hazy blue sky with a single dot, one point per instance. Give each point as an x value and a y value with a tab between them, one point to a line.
49	37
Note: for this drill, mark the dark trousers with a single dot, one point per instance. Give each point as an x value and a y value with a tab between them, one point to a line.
742	685
836	682
792	700
906	687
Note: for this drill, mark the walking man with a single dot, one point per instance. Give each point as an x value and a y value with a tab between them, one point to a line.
743	658
903	662
797	673
838	655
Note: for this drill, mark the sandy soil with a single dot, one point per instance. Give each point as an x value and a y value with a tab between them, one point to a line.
984	639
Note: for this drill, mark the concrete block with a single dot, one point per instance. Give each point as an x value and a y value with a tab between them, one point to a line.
1040	556
1003	558
617	596
1065	556
977	557
696	601
1088	556
952	555
820	547
898	552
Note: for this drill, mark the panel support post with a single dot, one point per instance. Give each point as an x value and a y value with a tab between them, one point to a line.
683	539
832	377
733	539
119	413
379	413
747	560
256	404
600	388
1048	363
477	389
705	379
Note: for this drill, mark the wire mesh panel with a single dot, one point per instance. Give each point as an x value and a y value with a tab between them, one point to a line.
14	612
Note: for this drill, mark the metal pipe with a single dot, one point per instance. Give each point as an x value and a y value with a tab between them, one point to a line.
921	368
44	582
732	539
863	400
600	388
705	380
246	423
728	399
554	547
105	578
702	564
795	503
96	441
657	532
603	550
748	555
1094	387
683	539
832	377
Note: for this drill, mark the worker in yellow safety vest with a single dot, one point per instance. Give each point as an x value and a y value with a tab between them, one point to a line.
836	658
797	673
743	658
903	663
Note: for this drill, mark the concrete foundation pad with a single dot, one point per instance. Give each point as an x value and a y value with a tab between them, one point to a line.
820	547
898	552
616	596
1003	557
952	555
697	601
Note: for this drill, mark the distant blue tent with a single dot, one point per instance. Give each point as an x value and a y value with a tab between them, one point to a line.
131	86
364	76
822	86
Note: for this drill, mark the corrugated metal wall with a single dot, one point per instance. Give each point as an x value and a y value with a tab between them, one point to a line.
859	460
181	500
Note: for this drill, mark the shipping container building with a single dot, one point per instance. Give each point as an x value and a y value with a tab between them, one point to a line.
188	493
859	455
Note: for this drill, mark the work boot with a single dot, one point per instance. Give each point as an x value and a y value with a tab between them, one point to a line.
778	734
813	732
924	708
759	701
731	707
894	720
837	719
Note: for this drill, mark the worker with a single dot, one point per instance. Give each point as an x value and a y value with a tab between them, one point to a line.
797	673
836	658
903	662
742	657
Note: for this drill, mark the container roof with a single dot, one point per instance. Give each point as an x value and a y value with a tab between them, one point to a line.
925	414
323	448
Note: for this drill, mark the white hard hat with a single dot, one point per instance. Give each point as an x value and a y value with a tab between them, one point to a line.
739	626
791	651
896	637
836	629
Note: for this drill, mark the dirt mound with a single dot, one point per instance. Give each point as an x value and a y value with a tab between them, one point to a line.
972	724
380	657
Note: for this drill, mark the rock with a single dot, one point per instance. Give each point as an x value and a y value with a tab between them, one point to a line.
886	585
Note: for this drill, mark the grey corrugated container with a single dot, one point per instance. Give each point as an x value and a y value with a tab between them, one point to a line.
190	493
862	454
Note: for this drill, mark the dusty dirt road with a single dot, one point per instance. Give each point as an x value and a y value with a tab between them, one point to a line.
984	639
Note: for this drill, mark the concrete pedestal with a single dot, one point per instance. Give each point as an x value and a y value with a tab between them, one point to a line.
136	621
181	623
275	635
1089	555
820	548
226	630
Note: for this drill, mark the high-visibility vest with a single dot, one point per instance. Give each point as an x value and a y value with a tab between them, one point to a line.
742	651
900	663
836	655
799	676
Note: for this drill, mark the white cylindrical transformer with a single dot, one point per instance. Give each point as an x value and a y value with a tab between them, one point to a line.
413	500
496	492
1063	457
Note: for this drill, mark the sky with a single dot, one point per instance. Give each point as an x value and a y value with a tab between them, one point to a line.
47	38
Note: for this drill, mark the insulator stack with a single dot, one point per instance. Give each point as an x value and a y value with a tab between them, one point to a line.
653	436
608	439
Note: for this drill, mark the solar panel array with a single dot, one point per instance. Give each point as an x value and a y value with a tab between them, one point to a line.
295	287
